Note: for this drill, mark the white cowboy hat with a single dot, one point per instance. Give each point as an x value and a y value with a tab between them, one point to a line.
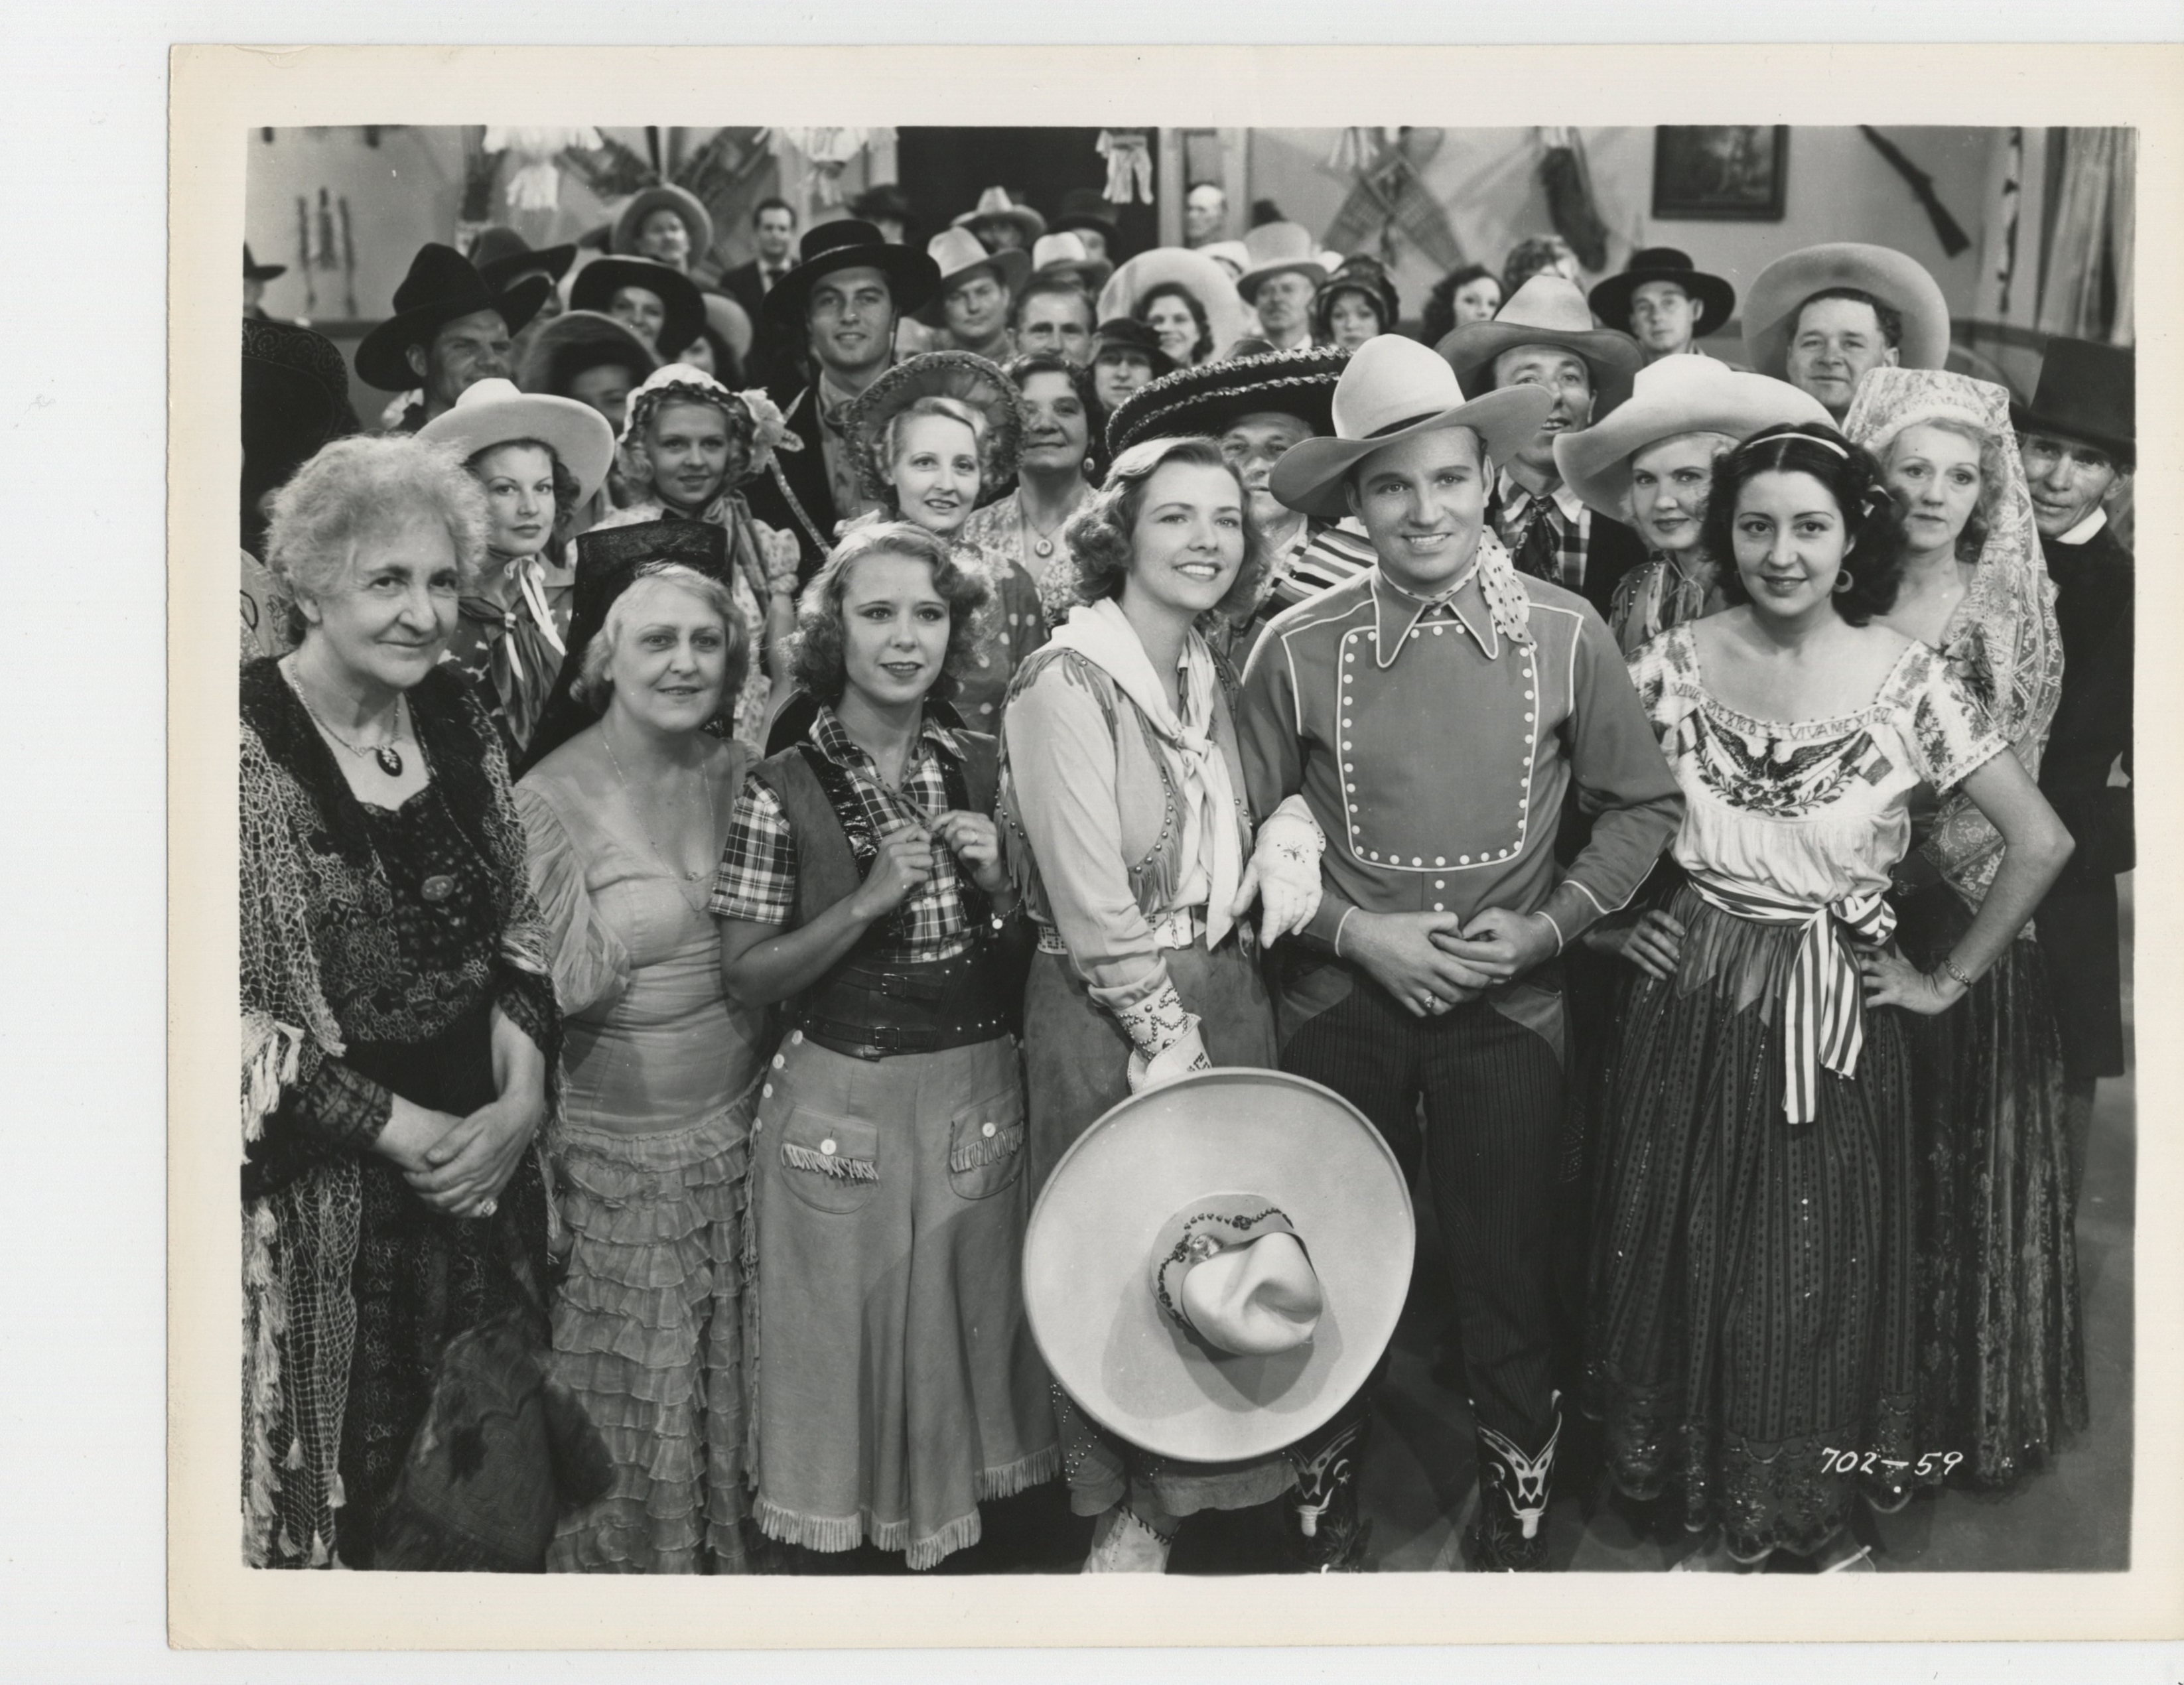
994	205
493	411
957	253
1395	389
1770	309
1235	252
1197	274
1546	310
1215	1266
1275	248
1671	397
1065	255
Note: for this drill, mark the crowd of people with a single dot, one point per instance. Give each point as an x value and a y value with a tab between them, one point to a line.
745	775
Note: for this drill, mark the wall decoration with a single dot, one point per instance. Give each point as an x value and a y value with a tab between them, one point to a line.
1722	173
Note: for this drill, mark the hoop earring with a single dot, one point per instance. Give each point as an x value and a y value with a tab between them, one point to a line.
1844	580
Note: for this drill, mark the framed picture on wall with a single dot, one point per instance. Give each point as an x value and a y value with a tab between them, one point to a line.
1733	172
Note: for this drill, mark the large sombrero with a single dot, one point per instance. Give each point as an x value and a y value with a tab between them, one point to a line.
1771	307
496	412
1216	1266
1208	398
683	305
960	374
1197	274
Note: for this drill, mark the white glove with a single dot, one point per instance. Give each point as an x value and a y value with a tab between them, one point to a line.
1284	871
1184	1057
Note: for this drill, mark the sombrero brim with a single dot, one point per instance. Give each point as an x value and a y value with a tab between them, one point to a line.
553	261
382	356
1203	279
584	328
684	306
1613	358
578	434
1310	475
1208	398
1899	281
1715	296
1092	1312
1011	267
684	203
960	374
1595	461
912	278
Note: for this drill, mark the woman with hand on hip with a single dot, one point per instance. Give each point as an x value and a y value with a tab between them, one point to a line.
897	1388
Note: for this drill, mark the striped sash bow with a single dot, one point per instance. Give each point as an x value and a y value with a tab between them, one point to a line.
1823	1013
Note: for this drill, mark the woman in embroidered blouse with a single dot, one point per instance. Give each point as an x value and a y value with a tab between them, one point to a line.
398	1024
2003	1372
541	459
1061	460
1126	829
1753	1307
627	819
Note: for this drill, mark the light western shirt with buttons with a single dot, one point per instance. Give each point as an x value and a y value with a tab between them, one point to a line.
1435	753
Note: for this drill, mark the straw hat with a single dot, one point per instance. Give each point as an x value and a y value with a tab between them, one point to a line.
1546	310
960	374
1770	309
1275	248
1673	396
1395	389
957	254
994	205
1197	274
1216	1266
629	223
493	412
1209	398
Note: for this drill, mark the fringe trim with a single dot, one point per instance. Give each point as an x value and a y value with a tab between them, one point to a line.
834	1166
272	1051
265	1310
987	1150
1020	1476
833	1533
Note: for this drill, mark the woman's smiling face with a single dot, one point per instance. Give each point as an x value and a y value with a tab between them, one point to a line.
1790	542
935	472
894	628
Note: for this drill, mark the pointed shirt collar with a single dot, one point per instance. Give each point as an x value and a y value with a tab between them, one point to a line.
1464	603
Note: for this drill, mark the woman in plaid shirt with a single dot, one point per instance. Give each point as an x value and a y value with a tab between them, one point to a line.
895	1383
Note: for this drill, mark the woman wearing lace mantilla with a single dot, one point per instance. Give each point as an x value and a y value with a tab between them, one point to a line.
1753	1308
2002	1357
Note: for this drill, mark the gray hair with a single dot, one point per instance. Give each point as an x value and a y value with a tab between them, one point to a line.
594	689
356	490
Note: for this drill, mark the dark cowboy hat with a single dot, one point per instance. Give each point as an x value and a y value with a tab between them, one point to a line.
1084	208
1127	333
1715	298
2087	392
500	254
577	339
963	375
1358	274
629	222
441	288
887	200
1209	398
254	270
849	243
607	560
295	400
1546	310
599	281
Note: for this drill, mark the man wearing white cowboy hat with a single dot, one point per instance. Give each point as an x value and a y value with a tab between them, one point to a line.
1544	337
1281	279
1821	317
1001	224
977	289
1434	713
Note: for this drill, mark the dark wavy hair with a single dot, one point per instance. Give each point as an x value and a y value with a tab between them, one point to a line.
1438	320
1021	368
1100	538
815	654
566	489
1203	347
1873	524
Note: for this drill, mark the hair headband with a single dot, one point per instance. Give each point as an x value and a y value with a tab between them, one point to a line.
1840	450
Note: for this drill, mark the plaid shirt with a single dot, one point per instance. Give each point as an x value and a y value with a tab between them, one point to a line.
756	882
1569	527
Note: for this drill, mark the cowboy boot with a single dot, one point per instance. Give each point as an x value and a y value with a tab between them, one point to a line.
1329	1536
1124	1544
1511	1533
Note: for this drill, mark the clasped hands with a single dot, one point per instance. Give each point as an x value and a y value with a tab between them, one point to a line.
905	862
1432	961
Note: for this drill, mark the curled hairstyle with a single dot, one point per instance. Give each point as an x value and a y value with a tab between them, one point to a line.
1536	256
1101	537
1873	524
361	489
594	688
1202	348
566	489
815	653
1020	368
1438	319
1994	475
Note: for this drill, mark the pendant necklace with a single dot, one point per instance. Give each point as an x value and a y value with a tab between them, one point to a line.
388	757
1041	541
629	795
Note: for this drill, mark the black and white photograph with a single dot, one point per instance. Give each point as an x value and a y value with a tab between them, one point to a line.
1230	853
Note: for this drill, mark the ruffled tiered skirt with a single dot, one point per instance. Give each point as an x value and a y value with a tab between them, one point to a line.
648	1332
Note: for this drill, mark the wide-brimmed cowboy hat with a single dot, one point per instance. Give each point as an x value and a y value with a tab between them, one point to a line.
500	254
629	221
1715	298
1395	389
994	205
441	288
254	270
295	400
1124	334
1084	208
1279	248
729	319
1064	256
1216	1266
1197	274
1546	310
1210	398
957	254
960	374
850	242
493	411
577	339
683	305
2087	392
1671	397
1363	274
1902	283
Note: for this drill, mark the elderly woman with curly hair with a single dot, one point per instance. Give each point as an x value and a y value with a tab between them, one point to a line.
1063	459
398	1019
896	1386
1127	832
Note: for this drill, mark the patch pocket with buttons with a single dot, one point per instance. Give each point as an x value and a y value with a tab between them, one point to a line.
985	1145
832	1163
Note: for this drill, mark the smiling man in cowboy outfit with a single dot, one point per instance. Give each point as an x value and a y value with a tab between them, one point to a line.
1544	337
846	296
1664	301
1433	712
450	328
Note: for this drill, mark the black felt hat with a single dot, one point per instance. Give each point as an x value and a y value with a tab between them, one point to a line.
1611	300
254	270
442	286
500	254
851	243
1084	208
684	305
2088	391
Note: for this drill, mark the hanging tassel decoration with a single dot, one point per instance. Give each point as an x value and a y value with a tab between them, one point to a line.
348	259
1128	152
1952	237
304	255
1570	206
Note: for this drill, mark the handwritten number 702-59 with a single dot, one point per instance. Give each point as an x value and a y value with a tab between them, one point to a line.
1927	1467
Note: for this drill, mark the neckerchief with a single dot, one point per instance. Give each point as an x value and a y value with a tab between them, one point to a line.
523	649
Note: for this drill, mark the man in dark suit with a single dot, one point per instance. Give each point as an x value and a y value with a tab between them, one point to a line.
843	301
2080	441
773	234
1544	337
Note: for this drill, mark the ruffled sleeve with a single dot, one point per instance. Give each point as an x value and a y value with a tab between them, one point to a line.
589	965
1945	731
